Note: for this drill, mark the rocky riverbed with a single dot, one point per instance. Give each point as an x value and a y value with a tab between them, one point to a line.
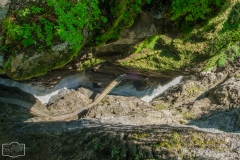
198	118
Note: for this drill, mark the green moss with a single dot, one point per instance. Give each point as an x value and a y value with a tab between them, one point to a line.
188	115
175	142
42	65
89	63
161	58
37	27
229	54
148	43
205	46
160	106
140	136
179	53
193	90
237	75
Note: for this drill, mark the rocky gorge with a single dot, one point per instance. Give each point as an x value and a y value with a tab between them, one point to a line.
181	102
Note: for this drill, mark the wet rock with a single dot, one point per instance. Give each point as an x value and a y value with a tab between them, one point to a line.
228	92
68	101
60	95
4	7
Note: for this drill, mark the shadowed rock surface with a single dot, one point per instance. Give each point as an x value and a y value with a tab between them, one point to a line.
90	139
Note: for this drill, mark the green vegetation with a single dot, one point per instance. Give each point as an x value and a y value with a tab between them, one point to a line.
25	33
95	142
175	142
188	115
233	21
160	106
161	58
73	18
7	64
229	54
148	43
140	136
187	13
187	9
122	16
237	75
206	45
233	52
39	26
115	153
196	36
88	63
193	91
230	33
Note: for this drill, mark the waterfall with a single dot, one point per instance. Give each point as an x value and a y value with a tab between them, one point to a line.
80	79
43	94
148	94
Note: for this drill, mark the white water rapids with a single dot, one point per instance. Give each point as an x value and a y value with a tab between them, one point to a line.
80	79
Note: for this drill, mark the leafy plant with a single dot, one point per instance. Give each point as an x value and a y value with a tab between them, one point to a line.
149	1
70	21
24	12
7	64
48	27
194	9
73	18
222	60
186	13
122	16
233	21
147	43
35	9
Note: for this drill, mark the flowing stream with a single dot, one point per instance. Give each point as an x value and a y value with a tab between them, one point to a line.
80	79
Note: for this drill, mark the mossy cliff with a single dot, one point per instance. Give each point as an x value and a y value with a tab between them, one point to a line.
150	36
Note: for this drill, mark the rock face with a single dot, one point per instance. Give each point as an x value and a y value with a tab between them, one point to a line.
4	7
89	139
195	119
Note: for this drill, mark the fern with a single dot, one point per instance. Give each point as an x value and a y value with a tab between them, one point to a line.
194	9
73	18
186	13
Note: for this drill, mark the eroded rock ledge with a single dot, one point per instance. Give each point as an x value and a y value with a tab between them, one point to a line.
89	139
